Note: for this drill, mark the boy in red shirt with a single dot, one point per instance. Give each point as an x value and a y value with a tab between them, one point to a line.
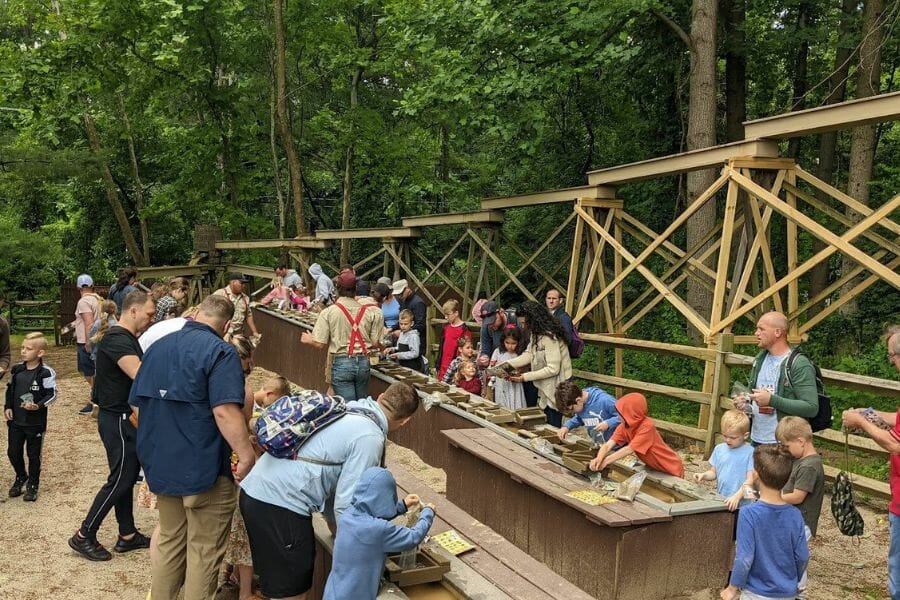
639	433
453	331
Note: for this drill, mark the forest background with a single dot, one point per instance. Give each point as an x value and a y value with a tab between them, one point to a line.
123	124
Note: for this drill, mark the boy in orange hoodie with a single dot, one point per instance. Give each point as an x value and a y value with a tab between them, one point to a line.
638	435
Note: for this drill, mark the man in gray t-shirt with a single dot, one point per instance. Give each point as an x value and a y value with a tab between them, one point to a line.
765	420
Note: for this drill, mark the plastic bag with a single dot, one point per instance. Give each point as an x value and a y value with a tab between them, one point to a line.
740	395
429	401
542	445
596	480
629	488
407	558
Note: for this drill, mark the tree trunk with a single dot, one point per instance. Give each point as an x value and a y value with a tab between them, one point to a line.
701	132
837	84
276	172
862	146
284	121
348	165
112	195
734	14
801	63
138	186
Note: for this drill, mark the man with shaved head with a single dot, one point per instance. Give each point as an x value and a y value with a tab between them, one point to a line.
774	392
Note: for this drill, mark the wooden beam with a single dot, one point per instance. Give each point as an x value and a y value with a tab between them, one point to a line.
845	297
650	346
253	271
848	200
530	260
690	314
358	234
435	270
409	273
460	218
681	163
835	244
496	259
637	263
175	271
842	243
537	253
305	243
549	197
643	386
724	254
833	117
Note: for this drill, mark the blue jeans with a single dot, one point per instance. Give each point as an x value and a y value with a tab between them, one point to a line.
350	377
894	558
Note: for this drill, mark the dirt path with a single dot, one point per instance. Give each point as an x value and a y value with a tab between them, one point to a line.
36	563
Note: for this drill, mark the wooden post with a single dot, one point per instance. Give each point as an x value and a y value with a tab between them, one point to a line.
56	306
573	267
469	301
430	336
618	356
721	382
793	287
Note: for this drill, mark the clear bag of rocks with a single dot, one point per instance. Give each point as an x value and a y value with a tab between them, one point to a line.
629	488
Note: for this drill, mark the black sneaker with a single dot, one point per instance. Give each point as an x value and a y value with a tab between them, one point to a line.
30	493
138	542
88	548
86	409
16	490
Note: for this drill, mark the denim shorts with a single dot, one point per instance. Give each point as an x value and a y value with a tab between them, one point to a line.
85	363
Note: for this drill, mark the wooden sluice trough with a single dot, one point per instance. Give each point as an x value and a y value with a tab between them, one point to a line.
675	537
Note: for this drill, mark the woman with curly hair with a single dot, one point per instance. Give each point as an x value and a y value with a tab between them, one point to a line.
547	353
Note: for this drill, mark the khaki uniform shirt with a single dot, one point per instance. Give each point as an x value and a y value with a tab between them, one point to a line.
333	327
241	307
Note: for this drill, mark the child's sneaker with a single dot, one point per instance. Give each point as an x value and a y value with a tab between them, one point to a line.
30	493
16	490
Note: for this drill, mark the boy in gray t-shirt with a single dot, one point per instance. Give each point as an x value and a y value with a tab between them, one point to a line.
806	486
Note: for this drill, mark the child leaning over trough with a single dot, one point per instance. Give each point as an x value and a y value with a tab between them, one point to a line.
771	552
466	350
508	394
365	535
731	463
806	486
407	351
592	407
31	389
237	553
638	434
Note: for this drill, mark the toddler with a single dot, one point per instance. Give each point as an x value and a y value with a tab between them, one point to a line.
638	434
365	535
805	487
466	351
593	408
731	463
771	552
467	378
31	389
509	394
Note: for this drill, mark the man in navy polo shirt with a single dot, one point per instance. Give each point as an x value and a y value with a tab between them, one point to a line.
189	393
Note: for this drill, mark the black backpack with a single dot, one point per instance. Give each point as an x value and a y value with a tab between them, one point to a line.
822	420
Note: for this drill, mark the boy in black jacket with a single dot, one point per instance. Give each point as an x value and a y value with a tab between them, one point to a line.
31	389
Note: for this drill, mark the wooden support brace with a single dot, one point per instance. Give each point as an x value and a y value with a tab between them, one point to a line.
496	259
409	273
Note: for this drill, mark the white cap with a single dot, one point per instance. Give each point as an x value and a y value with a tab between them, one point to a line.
398	286
85	280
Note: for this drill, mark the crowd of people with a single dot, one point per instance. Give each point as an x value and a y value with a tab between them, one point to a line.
176	415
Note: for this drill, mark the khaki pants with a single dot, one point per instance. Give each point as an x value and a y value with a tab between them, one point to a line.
193	532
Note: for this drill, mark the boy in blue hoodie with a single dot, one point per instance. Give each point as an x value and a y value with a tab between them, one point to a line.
592	407
366	535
